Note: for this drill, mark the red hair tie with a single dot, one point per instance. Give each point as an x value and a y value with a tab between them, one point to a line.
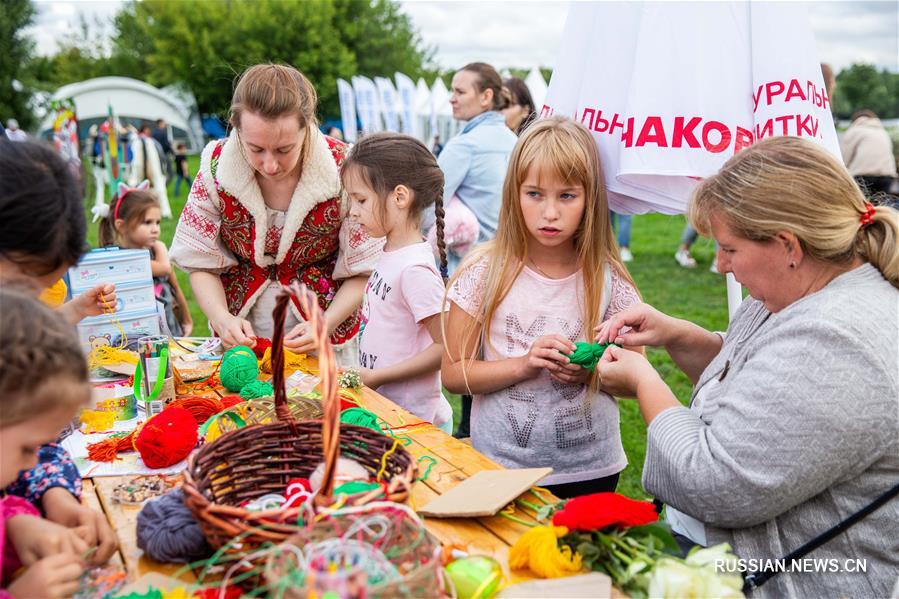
867	217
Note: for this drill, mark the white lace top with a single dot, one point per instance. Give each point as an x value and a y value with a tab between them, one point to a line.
541	422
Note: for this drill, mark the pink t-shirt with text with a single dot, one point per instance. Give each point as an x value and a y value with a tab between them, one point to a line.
403	290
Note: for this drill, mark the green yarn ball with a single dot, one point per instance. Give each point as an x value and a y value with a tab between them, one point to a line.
255	389
239	367
587	355
360	417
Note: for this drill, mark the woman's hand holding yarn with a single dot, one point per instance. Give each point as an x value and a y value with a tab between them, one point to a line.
622	370
647	326
233	330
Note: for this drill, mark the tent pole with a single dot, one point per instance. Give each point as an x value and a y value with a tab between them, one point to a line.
734	296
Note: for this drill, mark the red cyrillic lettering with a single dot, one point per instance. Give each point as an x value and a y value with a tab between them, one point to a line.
615	123
812	96
802	124
794	90
546	111
742	139
682	133
783	121
627	134
771	86
824	99
756	97
767	130
588	124
814	127
722	129
601	125
653	131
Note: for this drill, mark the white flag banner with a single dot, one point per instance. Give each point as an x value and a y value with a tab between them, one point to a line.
368	104
347	110
389	103
537	86
405	89
424	111
674	89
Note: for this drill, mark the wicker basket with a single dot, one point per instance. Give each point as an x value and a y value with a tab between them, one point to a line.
411	552
262	458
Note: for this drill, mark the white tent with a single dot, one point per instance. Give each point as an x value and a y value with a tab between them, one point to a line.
133	102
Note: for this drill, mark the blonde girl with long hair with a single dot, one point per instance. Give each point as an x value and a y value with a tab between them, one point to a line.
518	303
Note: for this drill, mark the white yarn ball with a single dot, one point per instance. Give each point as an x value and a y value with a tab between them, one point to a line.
347	470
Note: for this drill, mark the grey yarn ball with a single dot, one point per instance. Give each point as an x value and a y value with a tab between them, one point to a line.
168	532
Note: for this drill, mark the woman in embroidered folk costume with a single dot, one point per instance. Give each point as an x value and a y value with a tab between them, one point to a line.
266	208
792	425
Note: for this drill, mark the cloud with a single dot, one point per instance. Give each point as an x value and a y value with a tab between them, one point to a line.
528	33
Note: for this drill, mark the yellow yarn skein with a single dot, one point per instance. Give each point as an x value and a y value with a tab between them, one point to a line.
538	550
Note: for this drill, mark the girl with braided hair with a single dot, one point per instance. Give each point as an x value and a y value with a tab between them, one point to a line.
391	180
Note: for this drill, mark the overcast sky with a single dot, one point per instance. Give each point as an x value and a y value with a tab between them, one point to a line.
525	33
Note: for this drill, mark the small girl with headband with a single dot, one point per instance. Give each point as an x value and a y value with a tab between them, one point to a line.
132	221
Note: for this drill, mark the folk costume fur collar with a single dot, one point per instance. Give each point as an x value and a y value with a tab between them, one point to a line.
319	181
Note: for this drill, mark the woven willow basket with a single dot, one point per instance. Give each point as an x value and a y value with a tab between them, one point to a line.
259	459
413	552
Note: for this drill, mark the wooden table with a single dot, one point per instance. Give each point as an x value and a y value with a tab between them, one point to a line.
455	462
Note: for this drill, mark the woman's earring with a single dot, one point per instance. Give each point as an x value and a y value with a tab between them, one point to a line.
792	265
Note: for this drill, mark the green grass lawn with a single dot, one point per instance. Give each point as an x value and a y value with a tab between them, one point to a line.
696	295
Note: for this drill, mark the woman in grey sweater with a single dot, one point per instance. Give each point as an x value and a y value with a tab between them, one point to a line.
794	419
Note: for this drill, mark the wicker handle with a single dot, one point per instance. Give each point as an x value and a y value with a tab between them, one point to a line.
327	373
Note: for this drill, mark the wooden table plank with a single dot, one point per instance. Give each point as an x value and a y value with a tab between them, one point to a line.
456	461
123	519
91	499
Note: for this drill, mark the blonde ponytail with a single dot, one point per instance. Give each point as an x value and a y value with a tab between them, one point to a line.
878	242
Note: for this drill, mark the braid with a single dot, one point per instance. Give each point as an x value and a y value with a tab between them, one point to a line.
439	212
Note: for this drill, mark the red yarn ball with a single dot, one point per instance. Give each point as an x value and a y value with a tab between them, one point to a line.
262	344
167	438
229	401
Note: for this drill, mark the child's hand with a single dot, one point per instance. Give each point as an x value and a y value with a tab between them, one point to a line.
64	508
54	577
621	371
93	302
187	328
547	352
572	374
35	538
300	339
369	378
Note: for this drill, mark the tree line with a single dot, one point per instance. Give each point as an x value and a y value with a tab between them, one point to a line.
203	45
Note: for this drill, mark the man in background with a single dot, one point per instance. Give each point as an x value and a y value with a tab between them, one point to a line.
13	132
161	135
868	153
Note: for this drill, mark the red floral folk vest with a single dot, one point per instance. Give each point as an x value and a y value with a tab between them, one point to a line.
310	259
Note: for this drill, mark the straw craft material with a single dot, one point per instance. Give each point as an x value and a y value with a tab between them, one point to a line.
245	464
